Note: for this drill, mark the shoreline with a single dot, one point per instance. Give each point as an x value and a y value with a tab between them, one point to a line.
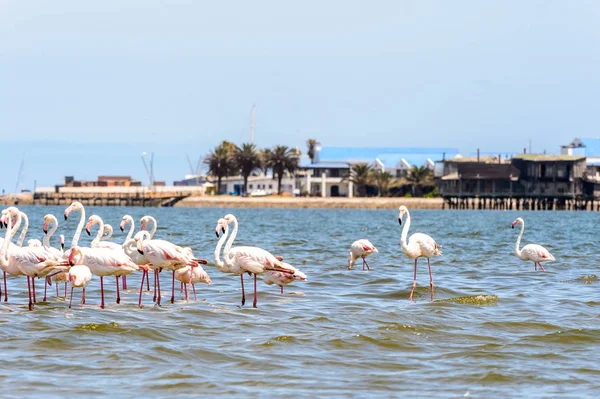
227	201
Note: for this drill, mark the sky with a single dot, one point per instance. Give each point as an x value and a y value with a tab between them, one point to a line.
87	86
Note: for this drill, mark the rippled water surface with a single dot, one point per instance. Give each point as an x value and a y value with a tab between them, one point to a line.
495	328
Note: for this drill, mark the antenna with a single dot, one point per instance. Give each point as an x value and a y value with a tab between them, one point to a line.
20	175
252	123
149	169
196	172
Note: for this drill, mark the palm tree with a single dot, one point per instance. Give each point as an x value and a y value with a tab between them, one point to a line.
247	160
221	162
383	180
312	149
418	177
360	174
281	159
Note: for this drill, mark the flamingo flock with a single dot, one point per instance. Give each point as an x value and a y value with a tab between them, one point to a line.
141	253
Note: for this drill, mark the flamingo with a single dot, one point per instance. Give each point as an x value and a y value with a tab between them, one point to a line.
34	242
223	227
533	252
75	206
166	255
360	249
252	260
144	224
50	219
191	275
62	276
281	279
29	261
419	246
97	241
105	262
80	276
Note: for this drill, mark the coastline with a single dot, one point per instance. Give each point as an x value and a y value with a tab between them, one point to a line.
227	201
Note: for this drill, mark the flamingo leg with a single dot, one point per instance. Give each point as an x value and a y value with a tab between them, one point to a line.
243	293
124	282
430	278
414	282
541	267
45	287
144	274
147	282
535	266
173	289
363	259
65	289
366	263
187	294
102	292
158	296
155	279
118	293
194	289
5	289
82	297
281	286
33	288
71	300
56	289
181	287
254	303
29	293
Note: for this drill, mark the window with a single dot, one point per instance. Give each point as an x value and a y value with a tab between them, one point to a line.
270	186
250	186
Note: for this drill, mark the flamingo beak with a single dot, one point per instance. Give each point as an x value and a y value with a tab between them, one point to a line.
513	225
62	245
88	232
203	261
400	221
140	251
217	233
223	230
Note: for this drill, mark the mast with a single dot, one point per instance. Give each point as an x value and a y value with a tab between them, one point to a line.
252	123
19	184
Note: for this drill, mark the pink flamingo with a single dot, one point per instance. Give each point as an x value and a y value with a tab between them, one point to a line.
166	255
253	260
360	249
281	279
191	275
532	252
50	219
105	262
80	276
419	246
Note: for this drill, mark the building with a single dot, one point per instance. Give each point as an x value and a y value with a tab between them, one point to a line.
326	175
103	181
557	176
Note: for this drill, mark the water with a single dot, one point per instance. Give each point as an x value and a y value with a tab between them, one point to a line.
341	334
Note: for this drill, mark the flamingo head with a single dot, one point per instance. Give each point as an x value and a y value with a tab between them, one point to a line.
126	219
516	222
74	252
402	211
91	222
229	218
221	223
3	220
62	242
144	223
75	206
139	238
48	219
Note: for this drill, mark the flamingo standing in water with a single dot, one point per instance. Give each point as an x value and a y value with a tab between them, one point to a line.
252	260
80	276
50	219
360	249
191	275
419	246
105	262
281	279
531	252
166	255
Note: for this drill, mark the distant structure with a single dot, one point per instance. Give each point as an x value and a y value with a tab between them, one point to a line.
104	181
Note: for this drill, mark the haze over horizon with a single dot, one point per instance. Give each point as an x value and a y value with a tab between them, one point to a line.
88	86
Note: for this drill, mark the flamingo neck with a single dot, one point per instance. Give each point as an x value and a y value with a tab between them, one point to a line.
17	225
4	249
518	244
99	234
46	240
218	260
404	234
231	237
25	228
154	227
79	228
130	234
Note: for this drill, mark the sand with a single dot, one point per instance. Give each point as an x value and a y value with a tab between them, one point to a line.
226	201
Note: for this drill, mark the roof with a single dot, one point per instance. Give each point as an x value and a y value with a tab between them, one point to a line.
482	159
393	160
548	157
329	165
368	154
102	178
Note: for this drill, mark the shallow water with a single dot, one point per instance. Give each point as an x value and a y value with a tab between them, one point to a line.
495	329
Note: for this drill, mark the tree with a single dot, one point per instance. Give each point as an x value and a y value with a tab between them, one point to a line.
312	149
281	159
360	175
383	180
418	177
221	162
247	160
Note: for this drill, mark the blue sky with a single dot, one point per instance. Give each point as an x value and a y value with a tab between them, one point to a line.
98	82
